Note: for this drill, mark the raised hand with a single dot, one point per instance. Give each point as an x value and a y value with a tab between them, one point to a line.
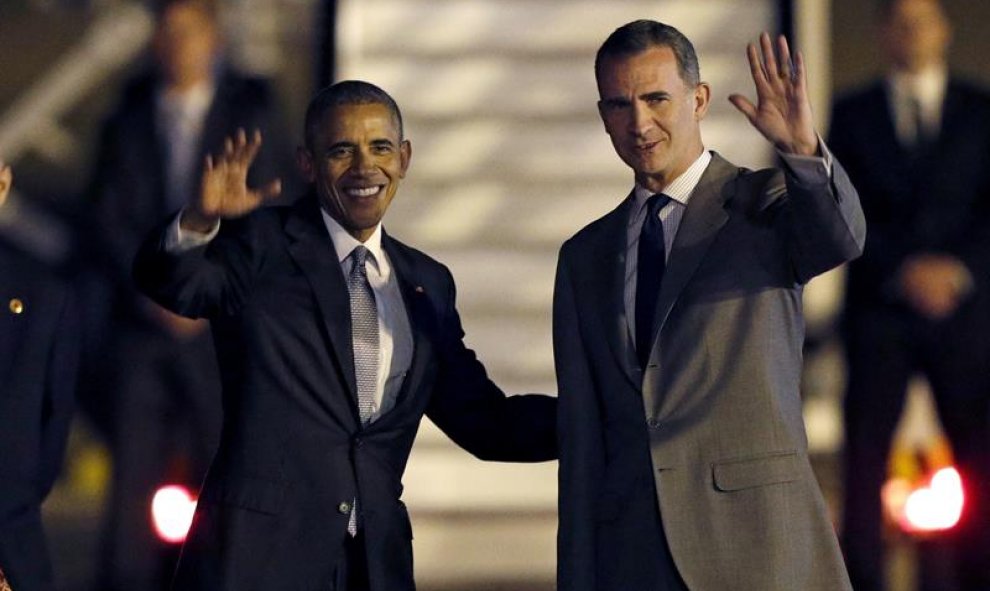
6	178
783	110
224	192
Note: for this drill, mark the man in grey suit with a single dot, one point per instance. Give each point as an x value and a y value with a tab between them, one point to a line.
678	332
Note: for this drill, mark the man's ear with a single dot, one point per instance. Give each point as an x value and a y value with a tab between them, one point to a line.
304	160
405	154
702	100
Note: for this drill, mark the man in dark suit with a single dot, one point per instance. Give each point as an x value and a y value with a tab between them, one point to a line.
160	374
38	358
333	339
683	454
917	146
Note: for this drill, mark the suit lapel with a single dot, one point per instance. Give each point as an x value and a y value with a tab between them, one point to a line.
312	249
704	217
607	274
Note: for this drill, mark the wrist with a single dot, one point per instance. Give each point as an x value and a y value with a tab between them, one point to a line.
193	221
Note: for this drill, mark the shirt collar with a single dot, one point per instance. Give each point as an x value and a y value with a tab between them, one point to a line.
194	102
680	188
927	86
344	243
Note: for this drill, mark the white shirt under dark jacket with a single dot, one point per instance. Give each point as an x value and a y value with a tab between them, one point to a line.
394	332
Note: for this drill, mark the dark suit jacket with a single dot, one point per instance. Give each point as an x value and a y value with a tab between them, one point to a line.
38	355
272	513
712	430
128	188
936	201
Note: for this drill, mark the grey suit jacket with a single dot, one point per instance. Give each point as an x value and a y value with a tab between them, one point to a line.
713	424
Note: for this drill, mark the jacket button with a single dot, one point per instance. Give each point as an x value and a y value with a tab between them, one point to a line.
344	507
653	423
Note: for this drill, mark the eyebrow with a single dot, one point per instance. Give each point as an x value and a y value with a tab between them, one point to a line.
346	144
621	101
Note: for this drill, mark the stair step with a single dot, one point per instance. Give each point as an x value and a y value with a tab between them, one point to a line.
449	27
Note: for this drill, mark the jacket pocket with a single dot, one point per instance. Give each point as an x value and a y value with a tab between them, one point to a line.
246	492
777	468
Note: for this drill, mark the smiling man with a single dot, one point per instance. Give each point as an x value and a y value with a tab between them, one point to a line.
334	339
678	333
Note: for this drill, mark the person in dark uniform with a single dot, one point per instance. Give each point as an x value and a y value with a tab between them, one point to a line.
160	372
38	361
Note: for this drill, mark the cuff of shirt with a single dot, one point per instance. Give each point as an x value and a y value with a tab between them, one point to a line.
810	170
178	241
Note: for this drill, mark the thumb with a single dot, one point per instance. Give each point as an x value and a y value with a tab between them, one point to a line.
271	190
744	106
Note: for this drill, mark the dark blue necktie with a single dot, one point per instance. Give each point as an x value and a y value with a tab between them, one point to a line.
649	274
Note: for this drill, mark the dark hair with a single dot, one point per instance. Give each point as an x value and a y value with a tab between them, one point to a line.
885	8
347	92
208	7
638	36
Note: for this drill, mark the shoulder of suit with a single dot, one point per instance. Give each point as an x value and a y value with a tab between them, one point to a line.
601	228
416	258
240	84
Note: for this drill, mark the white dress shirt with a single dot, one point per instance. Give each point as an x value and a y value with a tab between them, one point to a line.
180	118
911	91
395	344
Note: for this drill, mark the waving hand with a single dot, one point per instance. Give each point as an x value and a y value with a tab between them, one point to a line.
224	192
782	112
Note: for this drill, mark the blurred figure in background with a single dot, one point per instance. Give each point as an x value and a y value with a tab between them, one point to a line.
917	146
38	360
160	373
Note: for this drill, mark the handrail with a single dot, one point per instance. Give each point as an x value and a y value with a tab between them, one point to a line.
113	41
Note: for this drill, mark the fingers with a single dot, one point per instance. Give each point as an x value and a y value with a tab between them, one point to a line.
6	178
785	68
756	67
770	67
769	60
240	149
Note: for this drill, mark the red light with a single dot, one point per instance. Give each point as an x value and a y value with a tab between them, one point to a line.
172	511
933	506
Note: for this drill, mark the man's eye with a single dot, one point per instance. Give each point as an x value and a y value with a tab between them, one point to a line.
338	153
381	149
616	107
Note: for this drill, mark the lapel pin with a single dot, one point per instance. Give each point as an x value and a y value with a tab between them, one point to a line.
16	306
419	289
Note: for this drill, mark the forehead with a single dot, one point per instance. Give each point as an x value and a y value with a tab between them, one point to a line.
355	122
654	69
186	12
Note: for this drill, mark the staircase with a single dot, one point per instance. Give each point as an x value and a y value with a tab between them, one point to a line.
509	160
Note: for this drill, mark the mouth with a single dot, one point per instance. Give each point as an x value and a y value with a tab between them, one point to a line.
647	147
363	192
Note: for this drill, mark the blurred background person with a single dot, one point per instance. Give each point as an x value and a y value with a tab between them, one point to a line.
38	360
917	146
159	370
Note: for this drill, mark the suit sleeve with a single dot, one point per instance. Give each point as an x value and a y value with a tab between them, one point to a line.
823	224
475	413
202	282
579	429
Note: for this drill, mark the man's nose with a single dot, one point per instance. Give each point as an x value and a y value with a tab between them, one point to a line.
363	162
640	119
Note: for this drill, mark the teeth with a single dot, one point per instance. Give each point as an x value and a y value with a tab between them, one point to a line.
362	191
